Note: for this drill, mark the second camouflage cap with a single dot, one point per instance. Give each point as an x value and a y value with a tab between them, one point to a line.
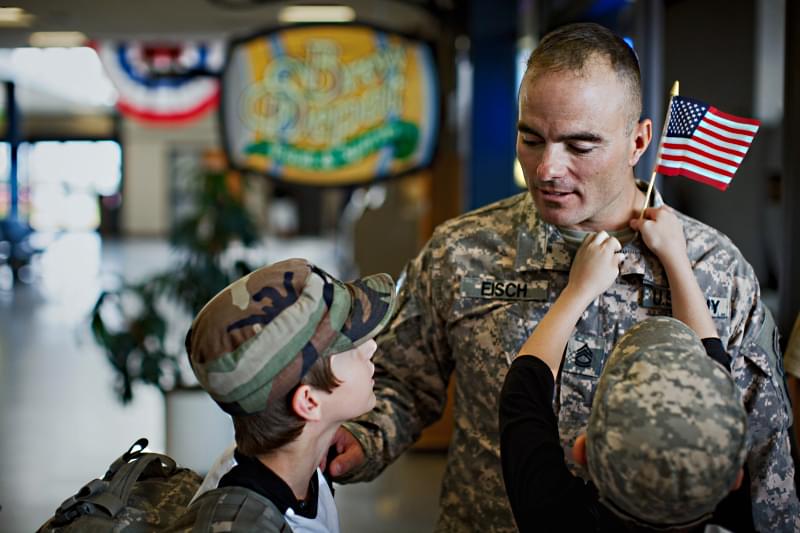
254	341
667	432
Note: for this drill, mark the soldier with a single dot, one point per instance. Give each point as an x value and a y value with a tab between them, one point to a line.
286	352
666	437
475	292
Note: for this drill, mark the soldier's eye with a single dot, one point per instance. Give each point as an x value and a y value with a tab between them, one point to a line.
581	149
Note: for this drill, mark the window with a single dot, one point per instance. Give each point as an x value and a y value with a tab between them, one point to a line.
65	180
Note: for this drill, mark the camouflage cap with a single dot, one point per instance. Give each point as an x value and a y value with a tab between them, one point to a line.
667	432
254	341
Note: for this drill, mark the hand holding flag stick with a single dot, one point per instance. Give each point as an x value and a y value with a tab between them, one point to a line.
701	142
672	94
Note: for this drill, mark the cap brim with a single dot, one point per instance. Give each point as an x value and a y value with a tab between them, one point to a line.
371	307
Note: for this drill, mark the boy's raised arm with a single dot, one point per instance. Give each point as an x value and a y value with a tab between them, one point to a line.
663	234
594	269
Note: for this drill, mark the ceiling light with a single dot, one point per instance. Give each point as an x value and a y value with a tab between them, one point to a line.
14	16
295	14
57	39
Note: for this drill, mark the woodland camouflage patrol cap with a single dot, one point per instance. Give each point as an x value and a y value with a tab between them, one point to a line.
254	341
667	432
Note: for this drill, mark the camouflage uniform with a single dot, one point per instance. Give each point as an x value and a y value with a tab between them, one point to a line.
475	293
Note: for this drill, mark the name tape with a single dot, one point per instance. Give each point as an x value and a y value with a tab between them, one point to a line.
493	289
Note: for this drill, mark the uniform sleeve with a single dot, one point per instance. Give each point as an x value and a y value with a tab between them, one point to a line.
413	365
758	369
791	359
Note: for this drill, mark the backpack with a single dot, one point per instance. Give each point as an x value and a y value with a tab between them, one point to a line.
230	509
141	491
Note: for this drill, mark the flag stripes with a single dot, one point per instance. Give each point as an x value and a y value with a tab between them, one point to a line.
704	143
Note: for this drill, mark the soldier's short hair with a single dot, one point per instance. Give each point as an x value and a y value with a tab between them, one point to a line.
570	47
667	434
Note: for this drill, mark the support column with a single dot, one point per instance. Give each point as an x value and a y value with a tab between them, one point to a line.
789	282
649	45
12	136
492	32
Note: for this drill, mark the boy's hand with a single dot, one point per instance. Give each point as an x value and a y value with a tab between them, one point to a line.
662	233
596	265
349	453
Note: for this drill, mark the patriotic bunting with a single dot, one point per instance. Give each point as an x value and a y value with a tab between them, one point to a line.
164	82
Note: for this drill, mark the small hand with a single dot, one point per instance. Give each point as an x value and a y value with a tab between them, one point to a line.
349	453
662	233
596	265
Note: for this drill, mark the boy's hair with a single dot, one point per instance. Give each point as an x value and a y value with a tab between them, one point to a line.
570	47
667	432
277	426
252	344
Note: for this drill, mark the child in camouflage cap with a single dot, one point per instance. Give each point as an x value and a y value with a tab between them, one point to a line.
666	437
286	352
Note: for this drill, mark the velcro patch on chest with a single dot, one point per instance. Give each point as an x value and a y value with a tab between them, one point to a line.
496	289
655	297
719	307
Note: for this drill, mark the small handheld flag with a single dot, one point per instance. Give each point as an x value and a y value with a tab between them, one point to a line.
703	143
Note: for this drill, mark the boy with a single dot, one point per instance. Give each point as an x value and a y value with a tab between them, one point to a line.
286	352
666	438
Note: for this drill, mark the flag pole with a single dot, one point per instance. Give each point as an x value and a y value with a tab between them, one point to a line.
672	93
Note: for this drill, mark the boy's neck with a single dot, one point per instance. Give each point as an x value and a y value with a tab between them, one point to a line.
297	462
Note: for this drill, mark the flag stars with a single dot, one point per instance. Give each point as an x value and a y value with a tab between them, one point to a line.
686	116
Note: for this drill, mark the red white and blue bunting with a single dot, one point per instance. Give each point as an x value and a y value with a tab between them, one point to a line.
164	82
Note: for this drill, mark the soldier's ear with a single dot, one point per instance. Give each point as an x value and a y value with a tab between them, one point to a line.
641	137
579	450
305	403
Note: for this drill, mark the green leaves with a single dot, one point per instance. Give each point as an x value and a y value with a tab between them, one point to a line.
130	323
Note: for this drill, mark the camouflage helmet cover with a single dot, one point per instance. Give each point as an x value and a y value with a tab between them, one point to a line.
667	433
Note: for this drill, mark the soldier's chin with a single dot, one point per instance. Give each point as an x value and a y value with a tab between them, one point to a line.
558	216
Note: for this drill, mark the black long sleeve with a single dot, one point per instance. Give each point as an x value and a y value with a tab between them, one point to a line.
544	495
716	351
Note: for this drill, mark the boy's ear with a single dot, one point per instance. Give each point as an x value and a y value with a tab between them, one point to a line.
579	450
305	403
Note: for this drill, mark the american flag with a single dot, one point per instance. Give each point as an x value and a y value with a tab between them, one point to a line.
703	143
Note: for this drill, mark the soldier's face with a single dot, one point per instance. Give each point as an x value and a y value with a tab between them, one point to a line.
577	146
354	395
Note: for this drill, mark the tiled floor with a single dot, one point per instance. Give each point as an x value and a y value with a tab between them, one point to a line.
61	425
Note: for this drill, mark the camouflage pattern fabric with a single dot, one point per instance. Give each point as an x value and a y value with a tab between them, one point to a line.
254	341
230	509
474	294
125	503
667	434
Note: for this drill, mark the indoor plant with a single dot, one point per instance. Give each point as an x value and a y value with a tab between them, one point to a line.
132	322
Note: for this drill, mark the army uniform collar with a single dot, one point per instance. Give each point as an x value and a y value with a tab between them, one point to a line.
541	246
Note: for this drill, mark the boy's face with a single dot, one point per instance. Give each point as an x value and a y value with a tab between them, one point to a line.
354	369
